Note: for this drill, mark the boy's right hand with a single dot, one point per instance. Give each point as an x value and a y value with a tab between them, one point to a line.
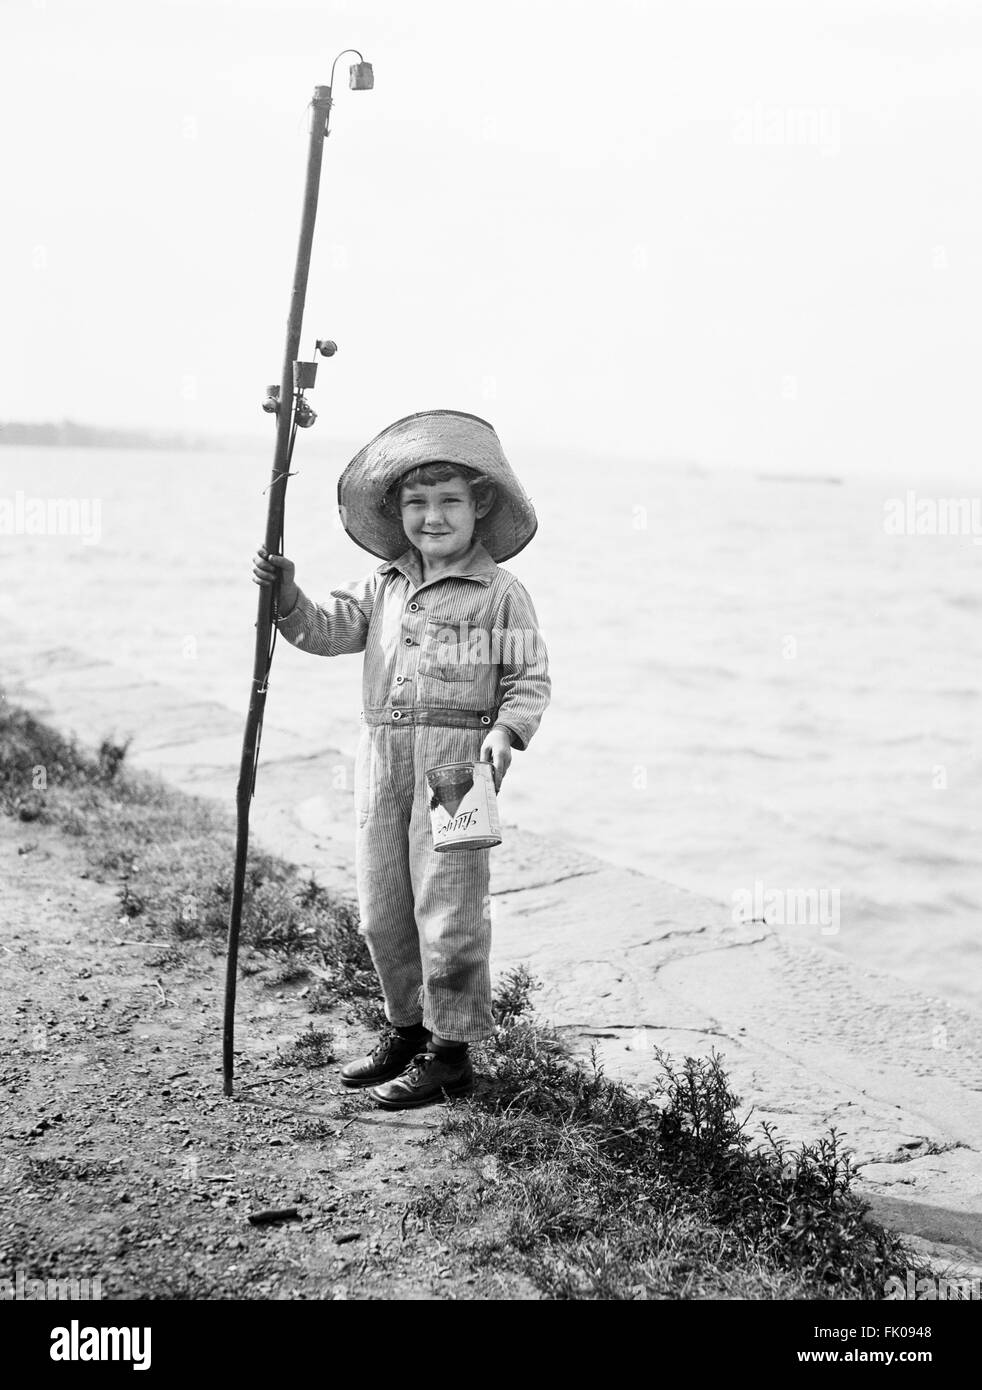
266	569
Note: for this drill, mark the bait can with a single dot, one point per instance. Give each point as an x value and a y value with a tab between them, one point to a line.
463	806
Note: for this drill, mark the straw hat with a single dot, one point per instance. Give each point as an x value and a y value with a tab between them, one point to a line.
432	436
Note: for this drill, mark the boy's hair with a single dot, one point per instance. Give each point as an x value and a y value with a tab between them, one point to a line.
481	486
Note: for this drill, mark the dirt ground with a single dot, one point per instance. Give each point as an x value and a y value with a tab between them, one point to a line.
122	1160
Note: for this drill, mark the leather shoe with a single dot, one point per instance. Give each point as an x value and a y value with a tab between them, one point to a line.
426	1079
389	1057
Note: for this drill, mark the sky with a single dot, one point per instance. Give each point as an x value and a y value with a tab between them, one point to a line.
746	234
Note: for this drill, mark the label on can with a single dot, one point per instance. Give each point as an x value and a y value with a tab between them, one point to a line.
463	806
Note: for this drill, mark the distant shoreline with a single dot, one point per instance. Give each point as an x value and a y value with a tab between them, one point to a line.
69	434
828	479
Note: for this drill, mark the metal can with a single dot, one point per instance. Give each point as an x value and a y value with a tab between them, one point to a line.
463	806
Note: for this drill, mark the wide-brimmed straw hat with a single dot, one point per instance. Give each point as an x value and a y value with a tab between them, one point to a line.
432	436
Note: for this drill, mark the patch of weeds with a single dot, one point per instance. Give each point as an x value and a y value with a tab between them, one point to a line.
72	823
170	958
293	920
512	996
342	947
34	759
275	924
131	904
372	1011
109	758
438	1209
118	859
38	765
290	973
176	854
595	1191
312	1049
321	999
349	976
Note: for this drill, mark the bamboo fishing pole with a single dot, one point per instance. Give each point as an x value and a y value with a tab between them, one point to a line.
292	412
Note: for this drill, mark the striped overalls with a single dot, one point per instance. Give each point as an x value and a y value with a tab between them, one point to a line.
445	660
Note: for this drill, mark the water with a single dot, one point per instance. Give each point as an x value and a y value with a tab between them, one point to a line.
753	682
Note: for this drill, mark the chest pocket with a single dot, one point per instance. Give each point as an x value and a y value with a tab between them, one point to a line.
450	651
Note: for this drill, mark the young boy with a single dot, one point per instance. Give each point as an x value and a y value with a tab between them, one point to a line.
455	671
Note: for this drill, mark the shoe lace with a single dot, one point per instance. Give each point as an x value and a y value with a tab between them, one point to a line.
419	1064
389	1039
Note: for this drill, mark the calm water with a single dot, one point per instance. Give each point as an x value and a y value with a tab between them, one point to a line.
753	682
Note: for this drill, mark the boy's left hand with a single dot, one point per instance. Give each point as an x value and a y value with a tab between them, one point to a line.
496	749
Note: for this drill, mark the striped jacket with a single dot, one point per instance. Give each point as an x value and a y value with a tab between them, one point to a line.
467	640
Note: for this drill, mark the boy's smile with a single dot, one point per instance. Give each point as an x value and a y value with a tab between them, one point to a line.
438	519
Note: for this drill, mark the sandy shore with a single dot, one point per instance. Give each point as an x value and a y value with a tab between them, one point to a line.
629	963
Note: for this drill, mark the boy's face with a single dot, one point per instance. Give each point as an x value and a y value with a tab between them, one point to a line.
438	518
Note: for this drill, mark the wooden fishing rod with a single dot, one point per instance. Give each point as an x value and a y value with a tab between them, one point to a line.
287	401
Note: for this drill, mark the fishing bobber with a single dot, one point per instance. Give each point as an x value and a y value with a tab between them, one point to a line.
271	404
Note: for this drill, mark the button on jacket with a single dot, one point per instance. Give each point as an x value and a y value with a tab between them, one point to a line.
466	640
444	661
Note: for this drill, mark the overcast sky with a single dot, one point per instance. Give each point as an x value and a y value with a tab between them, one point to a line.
740	233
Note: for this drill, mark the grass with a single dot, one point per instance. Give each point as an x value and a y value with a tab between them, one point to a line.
582	1186
594	1191
173	854
311	1050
